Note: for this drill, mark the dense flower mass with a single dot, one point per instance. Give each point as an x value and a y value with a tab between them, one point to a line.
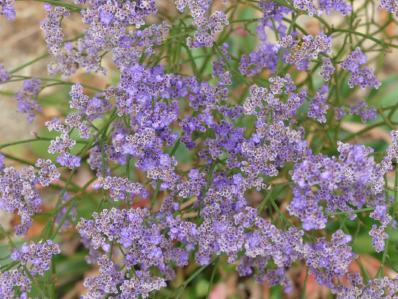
14	283
18	193
144	242
344	184
190	136
36	257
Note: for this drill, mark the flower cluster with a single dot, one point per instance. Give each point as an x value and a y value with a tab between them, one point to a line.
143	241
318	106
365	112
110	28
350	181
374	288
51	27
119	187
48	172
18	193
360	76
207	24
303	49
27	98
265	56
36	257
389	5
318	7
330	259
4	75
14	283
7	9
327	69
87	110
62	144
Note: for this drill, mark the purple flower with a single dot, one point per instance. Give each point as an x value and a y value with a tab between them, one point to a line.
318	106
329	259
7	9
106	281
51	27
4	75
327	6
373	288
353	61
390	5
14	282
68	160
105	15
145	243
36	256
27	98
340	6
18	194
265	56
391	153
327	69
364	111
2	164
364	78
301	51
360	76
119	187
207	26
352	180
47	172
273	14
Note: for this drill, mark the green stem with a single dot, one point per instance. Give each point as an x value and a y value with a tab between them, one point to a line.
28	63
67	5
305	284
213	274
186	282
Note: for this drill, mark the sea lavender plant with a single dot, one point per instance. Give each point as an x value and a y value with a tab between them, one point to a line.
190	136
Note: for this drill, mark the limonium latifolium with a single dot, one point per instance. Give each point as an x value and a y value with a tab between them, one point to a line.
178	145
